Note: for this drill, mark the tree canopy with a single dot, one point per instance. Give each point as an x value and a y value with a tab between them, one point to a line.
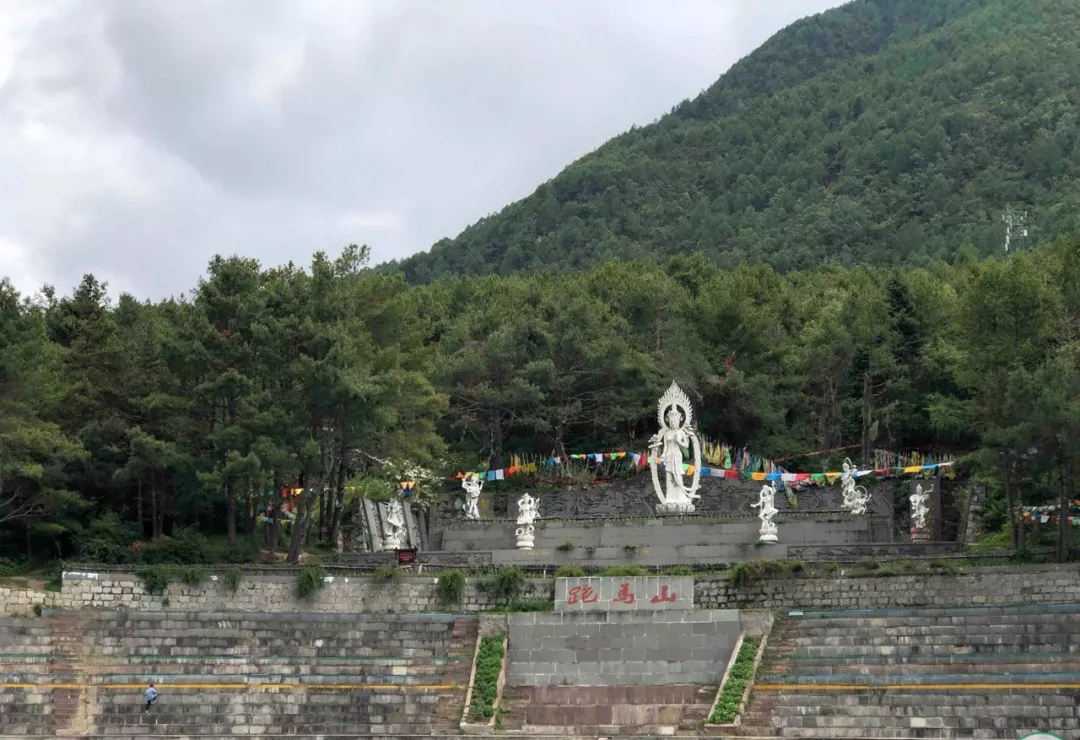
148	418
883	132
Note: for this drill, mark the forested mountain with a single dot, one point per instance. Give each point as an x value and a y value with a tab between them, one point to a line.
882	132
123	423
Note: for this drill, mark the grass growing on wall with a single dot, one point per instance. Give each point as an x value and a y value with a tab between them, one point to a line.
741	673
743	574
193	576
155	578
233	576
486	684
309	582
450	588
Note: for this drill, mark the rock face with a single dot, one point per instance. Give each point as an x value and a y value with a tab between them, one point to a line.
980	673
237	674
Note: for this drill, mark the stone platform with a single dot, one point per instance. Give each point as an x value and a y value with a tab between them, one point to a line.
652	540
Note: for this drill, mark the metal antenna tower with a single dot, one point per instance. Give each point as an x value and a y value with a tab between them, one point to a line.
1013	221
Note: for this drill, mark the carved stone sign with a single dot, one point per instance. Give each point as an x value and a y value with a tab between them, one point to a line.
648	593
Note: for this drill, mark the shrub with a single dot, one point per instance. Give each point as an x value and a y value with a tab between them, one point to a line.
531	605
868	564
155	578
9	568
625	571
185	547
742	672
486	684
232	579
679	570
386	573
569	571
744	573
244	551
309	582
107	540
565	547
450	588
193	575
508	583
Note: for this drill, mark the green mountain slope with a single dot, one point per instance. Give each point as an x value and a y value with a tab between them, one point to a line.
882	132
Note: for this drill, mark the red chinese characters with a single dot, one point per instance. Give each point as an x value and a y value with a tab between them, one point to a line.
581	594
625	595
664	595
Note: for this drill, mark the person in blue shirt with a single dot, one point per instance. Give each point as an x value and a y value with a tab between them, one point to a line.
151	696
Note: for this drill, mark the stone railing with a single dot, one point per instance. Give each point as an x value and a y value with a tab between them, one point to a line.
1002	585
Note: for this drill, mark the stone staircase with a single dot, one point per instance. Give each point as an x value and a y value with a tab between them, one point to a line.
606	711
977	673
228	674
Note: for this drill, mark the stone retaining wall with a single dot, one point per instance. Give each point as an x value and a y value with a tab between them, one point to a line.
20	602
1008	585
277	593
1048	584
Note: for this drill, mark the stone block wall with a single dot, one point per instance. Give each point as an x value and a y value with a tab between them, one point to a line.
621	648
1008	585
264	593
21	601
1001	586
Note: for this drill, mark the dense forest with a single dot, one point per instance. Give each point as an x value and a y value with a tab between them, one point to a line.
884	132
122	422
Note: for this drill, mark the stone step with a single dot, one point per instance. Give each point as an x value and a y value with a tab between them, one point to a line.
929	630
956	612
1029	643
904	652
835	672
892	733
223	661
221	731
970	698
986	681
857	715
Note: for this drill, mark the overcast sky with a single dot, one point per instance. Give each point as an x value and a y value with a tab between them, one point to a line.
140	137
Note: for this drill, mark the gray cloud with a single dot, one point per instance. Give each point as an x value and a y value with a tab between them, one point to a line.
137	139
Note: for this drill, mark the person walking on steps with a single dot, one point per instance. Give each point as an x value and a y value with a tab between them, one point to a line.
151	696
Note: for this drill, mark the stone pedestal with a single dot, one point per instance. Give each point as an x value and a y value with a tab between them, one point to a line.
525	536
669	509
768	536
920	534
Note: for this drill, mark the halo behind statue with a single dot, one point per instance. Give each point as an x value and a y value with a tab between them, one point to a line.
675	396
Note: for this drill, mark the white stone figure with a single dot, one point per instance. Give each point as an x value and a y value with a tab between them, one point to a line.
395	525
473	484
919	510
855	497
676	418
767	505
528	513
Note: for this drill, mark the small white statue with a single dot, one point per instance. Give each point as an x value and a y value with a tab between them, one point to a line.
528	512
473	484
395	525
676	418
919	509
767	505
855	497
